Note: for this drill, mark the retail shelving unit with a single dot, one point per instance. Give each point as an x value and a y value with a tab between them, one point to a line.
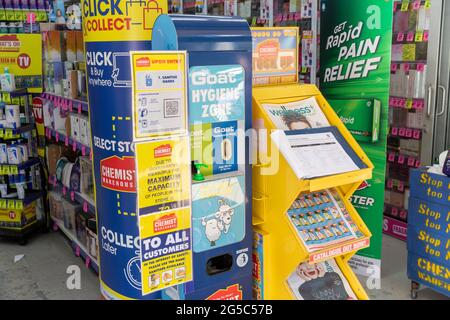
408	107
79	249
22	211
274	193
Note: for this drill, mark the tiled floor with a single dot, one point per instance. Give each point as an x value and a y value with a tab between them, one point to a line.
42	272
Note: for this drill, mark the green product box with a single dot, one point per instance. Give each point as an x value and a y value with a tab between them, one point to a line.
360	116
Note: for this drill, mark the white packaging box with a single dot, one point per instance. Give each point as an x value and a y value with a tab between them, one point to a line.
75	127
85	131
48	113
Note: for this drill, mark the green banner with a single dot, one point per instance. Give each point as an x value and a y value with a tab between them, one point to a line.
355	55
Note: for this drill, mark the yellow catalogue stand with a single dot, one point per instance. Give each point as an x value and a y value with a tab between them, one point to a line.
278	249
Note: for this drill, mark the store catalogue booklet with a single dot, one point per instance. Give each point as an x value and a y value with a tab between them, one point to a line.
304	114
320	281
314	153
321	220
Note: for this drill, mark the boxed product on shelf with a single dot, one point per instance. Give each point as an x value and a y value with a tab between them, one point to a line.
70	212
71	45
16	218
86	178
80	130
80	227
394	198
79	46
56	206
60	116
92	242
53	153
75	126
55	46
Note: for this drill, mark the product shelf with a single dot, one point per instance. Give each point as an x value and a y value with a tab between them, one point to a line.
77	246
9	133
276	187
19	204
8	169
74	196
68	141
67	103
16	93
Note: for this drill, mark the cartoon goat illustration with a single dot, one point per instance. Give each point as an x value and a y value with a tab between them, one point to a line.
213	229
220	223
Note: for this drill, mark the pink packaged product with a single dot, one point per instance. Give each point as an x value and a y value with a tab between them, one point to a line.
401	21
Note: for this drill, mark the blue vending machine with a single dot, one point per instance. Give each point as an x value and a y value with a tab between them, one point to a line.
220	116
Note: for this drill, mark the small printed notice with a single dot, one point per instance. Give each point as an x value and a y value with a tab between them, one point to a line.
159	93
164	212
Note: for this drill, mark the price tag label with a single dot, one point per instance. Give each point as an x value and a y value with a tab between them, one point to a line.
6	170
390	184
87	262
3	204
406	67
411	161
401	159
400	37
297	16
416	134
409	104
420	67
74	146
405	6
408	133
394	131
11	205
417	164
401	186
401	132
403	214
402	103
426	35
419	36
410	36
416	5
391	101
19	205
394	211
393	67
79	108
8	133
427	4
13	170
70	106
391	157
254	21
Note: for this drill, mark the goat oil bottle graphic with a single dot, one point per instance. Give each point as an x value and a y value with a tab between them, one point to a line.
111	29
218	217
